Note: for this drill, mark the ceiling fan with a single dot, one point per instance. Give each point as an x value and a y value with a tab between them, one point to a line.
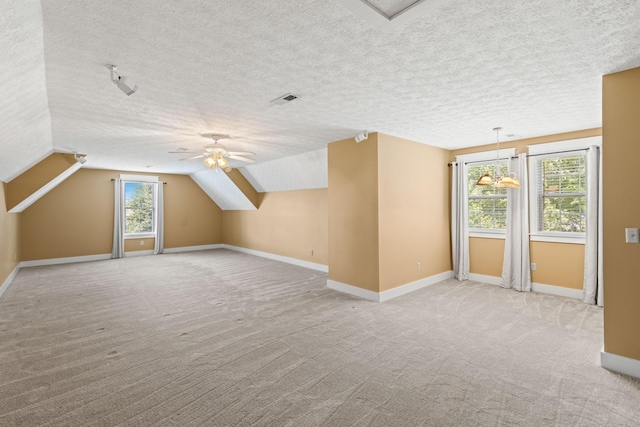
216	155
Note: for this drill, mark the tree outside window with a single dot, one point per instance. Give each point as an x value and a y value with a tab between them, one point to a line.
138	207
487	204
561	193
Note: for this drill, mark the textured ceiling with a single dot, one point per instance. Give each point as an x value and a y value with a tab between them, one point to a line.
444	78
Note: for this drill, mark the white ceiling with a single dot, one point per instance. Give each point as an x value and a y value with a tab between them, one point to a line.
446	77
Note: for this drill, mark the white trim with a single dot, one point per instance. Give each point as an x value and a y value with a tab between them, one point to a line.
390	293
353	290
557	290
133	236
9	279
281	258
191	248
138	253
414	286
36	195
554	238
535	287
138	178
571	144
621	364
487	235
66	260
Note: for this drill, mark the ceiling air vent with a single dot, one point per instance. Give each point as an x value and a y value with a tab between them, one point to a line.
283	99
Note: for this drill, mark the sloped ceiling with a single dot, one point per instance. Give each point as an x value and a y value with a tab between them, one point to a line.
302	171
446	77
25	123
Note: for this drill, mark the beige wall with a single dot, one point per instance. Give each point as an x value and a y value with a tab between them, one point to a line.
413	211
621	151
9	238
353	212
557	264
76	217
288	223
36	177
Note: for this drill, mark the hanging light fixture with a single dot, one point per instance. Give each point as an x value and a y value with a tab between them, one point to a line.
510	180
216	160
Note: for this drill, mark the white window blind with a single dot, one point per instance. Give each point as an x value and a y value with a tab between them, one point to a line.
487	204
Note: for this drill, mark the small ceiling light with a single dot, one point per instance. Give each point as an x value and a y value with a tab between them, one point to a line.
362	136
121	81
510	180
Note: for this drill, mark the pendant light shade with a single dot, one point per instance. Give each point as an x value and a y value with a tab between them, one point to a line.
509	180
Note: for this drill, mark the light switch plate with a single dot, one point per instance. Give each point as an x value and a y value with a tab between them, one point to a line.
632	235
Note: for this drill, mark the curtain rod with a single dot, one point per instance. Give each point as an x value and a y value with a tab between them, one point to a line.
529	155
113	179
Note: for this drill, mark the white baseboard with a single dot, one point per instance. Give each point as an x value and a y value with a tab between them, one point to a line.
353	290
8	280
557	290
67	260
621	364
535	287
288	260
191	248
391	293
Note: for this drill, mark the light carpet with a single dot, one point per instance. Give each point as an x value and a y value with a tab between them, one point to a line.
220	338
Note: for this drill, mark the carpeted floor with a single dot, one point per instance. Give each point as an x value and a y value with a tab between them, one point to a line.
220	338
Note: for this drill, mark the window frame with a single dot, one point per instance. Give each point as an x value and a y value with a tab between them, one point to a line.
553	150
483	157
140	179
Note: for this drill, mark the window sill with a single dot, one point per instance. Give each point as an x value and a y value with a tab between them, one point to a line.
487	235
140	236
575	240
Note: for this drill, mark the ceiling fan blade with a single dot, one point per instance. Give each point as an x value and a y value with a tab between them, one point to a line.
182	152
193	157
241	153
231	156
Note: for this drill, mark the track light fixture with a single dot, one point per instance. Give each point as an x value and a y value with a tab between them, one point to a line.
80	158
121	81
362	136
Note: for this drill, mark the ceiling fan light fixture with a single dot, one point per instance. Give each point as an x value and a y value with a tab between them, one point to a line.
211	162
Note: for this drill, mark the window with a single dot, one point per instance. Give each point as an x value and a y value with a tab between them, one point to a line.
558	190
487	204
138	207
561	192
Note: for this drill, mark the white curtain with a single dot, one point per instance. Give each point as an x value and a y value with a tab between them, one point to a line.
117	250
459	221
516	267
593	271
159	246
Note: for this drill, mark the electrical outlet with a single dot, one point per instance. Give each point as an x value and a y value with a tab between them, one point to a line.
419	266
533	266
141	242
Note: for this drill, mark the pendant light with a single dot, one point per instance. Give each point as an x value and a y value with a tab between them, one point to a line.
510	180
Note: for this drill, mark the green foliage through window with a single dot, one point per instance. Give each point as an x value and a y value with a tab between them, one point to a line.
487	204
561	191
138	207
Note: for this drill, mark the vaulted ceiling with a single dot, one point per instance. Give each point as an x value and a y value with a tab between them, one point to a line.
442	73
